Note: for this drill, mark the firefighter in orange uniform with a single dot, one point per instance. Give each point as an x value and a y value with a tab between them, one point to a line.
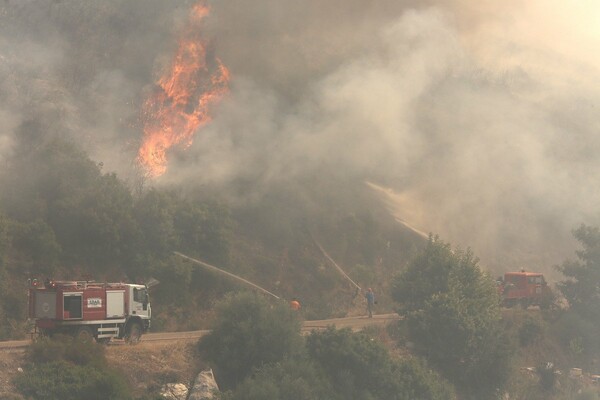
295	304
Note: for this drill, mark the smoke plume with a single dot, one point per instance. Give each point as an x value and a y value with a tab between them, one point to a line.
478	122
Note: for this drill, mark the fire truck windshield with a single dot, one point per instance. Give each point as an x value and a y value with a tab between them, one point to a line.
537	280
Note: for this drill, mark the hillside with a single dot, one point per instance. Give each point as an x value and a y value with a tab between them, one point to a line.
162	363
147	367
64	218
315	149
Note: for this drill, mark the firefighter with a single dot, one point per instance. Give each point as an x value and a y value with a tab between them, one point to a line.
295	304
370	296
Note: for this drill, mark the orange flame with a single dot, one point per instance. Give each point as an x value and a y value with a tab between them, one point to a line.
183	97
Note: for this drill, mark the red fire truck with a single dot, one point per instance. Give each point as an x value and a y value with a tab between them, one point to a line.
524	288
90	310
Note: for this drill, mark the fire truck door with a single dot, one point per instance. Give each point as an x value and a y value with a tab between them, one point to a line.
140	302
115	303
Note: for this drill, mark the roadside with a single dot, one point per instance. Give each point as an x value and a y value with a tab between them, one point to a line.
163	358
11	364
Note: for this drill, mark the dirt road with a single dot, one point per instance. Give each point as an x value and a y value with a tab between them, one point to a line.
354	323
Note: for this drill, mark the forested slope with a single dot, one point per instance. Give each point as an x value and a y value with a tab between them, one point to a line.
64	218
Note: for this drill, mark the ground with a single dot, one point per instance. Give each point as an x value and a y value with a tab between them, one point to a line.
168	357
10	362
147	366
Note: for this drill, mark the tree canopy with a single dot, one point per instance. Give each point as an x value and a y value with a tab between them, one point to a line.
250	333
258	354
66	368
582	286
453	315
579	323
359	368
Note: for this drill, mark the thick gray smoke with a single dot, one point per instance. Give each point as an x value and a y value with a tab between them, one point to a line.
477	122
79	69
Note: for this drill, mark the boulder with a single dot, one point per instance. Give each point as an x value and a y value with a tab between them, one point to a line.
204	387
174	391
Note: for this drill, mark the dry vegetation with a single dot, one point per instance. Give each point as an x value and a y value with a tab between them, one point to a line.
148	366
10	362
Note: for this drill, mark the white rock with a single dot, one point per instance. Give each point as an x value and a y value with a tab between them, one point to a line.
174	391
204	387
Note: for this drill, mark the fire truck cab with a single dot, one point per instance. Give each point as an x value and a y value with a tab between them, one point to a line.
90	310
524	288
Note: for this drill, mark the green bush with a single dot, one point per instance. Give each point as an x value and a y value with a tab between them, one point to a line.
547	373
416	381
66	381
531	330
341	365
359	367
37	241
297	379
65	368
250	332
453	315
578	334
67	348
353	362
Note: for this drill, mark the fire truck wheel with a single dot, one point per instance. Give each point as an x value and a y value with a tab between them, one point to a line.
135	333
85	334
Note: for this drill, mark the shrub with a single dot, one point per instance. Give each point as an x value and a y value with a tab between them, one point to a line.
547	373
67	348
66	381
453	316
578	334
531	329
359	367
297	379
249	333
68	369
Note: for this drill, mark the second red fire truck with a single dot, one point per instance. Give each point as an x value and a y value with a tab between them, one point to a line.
524	288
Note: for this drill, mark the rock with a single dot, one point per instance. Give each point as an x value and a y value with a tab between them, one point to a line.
575	372
174	391
204	387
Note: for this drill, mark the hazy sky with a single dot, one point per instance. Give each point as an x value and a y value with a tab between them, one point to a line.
481	118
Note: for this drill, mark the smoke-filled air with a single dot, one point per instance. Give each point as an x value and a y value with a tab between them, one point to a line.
477	121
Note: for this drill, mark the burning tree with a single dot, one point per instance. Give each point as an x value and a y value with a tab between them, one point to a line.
183	96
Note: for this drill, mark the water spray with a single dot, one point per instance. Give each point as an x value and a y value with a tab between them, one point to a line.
340	270
229	274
